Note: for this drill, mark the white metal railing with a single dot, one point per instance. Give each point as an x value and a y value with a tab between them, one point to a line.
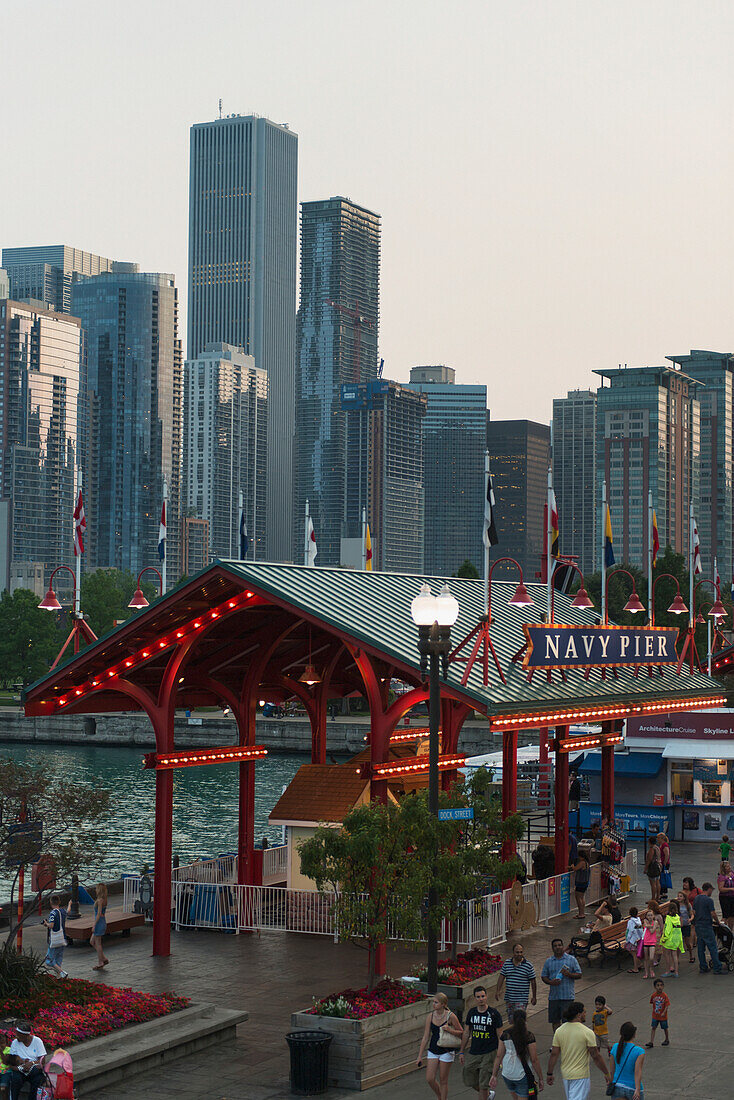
275	862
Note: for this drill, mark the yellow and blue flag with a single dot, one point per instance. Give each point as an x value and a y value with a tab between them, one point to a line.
608	540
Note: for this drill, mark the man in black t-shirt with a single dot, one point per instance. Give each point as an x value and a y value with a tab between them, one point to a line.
480	1036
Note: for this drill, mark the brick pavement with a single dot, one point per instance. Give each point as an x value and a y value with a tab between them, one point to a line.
274	974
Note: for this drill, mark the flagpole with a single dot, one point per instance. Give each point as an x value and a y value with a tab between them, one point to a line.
364	538
708	618
649	557
305	537
241	520
78	562
164	563
549	541
603	551
691	615
486	540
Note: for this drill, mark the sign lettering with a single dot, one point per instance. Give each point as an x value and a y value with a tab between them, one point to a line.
564	646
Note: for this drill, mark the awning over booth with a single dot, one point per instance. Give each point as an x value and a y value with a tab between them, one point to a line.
644	764
698	750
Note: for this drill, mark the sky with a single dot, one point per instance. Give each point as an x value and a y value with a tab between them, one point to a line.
554	179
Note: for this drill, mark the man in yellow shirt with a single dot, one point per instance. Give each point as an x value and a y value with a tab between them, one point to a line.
575	1044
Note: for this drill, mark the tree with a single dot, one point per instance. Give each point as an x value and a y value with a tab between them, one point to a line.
29	638
72	814
106	594
468	571
380	864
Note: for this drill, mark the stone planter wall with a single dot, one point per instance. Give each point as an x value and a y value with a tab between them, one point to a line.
460	995
365	1053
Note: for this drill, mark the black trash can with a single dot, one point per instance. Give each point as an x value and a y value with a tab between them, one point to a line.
309	1061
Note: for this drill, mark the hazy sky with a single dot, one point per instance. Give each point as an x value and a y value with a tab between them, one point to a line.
556	180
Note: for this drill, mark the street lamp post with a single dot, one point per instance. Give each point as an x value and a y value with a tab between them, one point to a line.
633	604
139	599
80	629
434	616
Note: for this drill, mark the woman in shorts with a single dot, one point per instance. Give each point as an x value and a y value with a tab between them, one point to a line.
439	1059
516	1053
625	1065
582	876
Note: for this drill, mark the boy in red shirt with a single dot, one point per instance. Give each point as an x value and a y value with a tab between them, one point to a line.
660	1003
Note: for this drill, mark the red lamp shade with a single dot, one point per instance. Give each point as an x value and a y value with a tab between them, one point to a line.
718	611
633	603
700	619
522	597
138	600
582	599
678	607
309	676
49	601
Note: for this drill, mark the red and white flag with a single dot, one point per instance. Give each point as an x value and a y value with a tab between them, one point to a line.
311	548
80	526
697	566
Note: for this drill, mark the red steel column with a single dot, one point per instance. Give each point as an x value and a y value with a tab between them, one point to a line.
561	810
509	785
246	871
543	771
163	852
607	779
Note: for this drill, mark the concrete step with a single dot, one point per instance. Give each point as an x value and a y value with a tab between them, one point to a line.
140	1047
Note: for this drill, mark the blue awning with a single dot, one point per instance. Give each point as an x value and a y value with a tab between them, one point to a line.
635	763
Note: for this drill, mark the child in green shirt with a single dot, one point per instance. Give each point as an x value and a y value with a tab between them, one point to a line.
725	847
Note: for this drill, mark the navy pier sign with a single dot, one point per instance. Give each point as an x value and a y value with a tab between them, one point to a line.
562	646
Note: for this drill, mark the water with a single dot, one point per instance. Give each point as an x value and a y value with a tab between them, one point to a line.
204	800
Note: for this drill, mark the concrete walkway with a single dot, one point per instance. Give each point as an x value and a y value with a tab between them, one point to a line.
275	974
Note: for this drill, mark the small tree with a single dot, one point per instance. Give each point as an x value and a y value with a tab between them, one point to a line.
468	570
29	638
106	594
72	814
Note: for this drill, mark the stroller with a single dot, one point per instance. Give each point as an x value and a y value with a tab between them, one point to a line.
725	942
60	1076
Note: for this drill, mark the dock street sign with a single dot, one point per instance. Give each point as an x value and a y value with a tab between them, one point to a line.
561	646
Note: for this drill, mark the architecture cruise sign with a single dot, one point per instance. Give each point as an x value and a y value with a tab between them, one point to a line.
560	646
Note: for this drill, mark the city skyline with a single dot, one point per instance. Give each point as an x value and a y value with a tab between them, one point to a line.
602	237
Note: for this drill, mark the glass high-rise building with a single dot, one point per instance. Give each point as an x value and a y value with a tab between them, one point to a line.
40	363
648	437
454	445
135	407
715	517
574	474
225	447
4	284
519	457
45	273
242	275
337	341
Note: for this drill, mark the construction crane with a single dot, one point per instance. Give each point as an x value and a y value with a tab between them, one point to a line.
359	321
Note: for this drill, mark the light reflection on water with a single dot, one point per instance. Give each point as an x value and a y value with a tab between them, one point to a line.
204	799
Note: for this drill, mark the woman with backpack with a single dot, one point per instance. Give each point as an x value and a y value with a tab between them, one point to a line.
516	1053
625	1065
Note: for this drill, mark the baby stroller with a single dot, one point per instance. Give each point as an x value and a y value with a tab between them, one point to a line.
725	942
60	1075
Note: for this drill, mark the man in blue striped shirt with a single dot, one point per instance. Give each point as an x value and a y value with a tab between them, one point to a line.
559	972
518	978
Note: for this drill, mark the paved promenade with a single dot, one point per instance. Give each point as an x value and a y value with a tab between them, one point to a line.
274	974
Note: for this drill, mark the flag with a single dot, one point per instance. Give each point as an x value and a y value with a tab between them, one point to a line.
244	538
162	534
555	529
80	526
563	575
367	548
731	590
697	566
311	548
655	537
489	535
608	540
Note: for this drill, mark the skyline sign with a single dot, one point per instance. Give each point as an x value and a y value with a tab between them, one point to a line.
566	646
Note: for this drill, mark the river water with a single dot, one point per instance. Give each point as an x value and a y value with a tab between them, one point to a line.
204	800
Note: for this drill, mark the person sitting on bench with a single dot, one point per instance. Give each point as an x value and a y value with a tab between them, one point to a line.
26	1061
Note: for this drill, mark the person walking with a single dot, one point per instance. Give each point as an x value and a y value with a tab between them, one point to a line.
559	972
666	881
479	1043
575	1045
582	877
725	883
100	926
685	911
441	1025
653	867
649	943
56	925
625	1064
704	919
671	940
516	1053
660	1004
517	977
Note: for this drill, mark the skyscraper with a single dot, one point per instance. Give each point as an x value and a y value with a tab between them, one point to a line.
337	341
647	438
519	456
225	446
715	516
134	392
4	284
40	358
574	474
242	275
46	272
454	444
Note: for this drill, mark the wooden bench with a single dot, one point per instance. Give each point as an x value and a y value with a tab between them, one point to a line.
610	941
117	921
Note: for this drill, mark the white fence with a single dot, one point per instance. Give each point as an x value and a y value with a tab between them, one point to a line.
227	906
275	863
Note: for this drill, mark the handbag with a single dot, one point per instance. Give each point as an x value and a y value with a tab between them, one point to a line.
532	1087
666	879
57	938
613	1083
447	1041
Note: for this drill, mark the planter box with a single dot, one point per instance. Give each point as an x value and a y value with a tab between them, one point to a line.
365	1053
459	995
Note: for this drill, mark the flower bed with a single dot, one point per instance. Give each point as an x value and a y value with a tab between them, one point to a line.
69	1010
465	968
358	1004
